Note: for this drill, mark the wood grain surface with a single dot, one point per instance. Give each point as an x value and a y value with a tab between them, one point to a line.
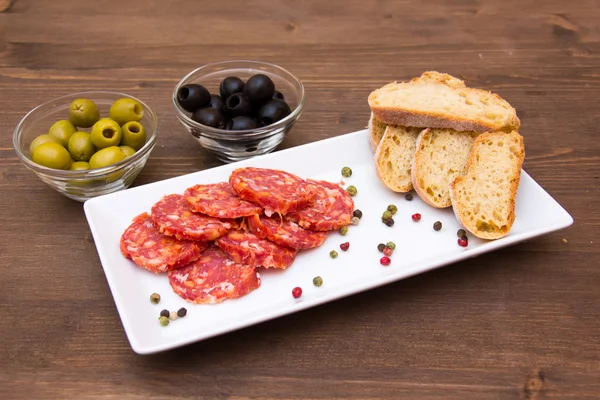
521	323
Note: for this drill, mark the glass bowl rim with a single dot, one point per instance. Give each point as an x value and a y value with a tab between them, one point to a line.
223	134
91	173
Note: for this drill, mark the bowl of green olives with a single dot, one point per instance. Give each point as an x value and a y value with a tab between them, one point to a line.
239	109
87	144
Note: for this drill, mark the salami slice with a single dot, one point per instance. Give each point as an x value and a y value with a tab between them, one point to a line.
213	278
218	200
172	216
150	249
247	248
332	208
284	232
274	190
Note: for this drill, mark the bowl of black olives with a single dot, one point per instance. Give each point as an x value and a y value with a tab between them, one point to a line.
239	109
87	144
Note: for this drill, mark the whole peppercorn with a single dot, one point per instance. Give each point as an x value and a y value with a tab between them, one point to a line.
355	221
408	196
391	245
297	292
392	208
317	281
463	242
388	251
352	191
164	313
385	261
333	254
164	321
386	215
416	217
155	298
437	225
389	222
461	233
173	315
346	172
357	213
380	246
345	246
343	230
182	312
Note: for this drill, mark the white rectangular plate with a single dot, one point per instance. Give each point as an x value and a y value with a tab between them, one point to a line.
418	247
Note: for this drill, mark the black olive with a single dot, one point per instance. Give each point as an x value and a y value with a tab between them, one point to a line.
273	111
193	97
229	86
238	104
217	103
259	89
241	123
278	95
210	117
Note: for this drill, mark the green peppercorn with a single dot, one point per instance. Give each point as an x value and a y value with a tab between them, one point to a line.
386	215
182	312
392	208
343	230
357	213
391	245
164	313
380	246
437	225
173	315
389	222
346	172
352	191
355	220
333	254
462	234
155	298
317	281
164	321
408	196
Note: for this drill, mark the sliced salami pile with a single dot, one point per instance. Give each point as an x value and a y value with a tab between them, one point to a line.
213	238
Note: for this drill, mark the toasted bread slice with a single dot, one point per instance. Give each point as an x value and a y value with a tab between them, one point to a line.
437	100
440	156
484	199
393	157
376	131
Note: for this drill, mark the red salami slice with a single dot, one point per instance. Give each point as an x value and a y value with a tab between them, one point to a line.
284	232
332	208
212	278
247	248
150	249
172	216
273	190
218	200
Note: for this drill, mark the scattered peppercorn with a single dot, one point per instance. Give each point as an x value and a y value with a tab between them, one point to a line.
345	246
437	225
346	172
385	260
355	221
352	191
317	281
333	254
463	242
391	245
416	217
392	208
408	196
297	292
380	246
164	313
389	222
155	298
386	215
343	230
461	233
388	251
164	321
173	315
182	312
357	213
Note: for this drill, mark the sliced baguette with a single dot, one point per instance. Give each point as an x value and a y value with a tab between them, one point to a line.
436	100
393	157
441	155
376	131
484	199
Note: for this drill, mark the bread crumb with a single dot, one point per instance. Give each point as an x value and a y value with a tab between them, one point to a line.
564	240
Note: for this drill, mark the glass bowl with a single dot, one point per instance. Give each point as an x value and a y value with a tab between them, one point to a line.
83	185
231	146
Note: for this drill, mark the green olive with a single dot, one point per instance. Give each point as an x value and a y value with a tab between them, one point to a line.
80	166
106	133
62	130
52	155
81	147
129	151
45	138
83	112
134	135
125	109
107	156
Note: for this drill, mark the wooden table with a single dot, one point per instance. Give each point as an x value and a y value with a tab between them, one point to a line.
519	323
